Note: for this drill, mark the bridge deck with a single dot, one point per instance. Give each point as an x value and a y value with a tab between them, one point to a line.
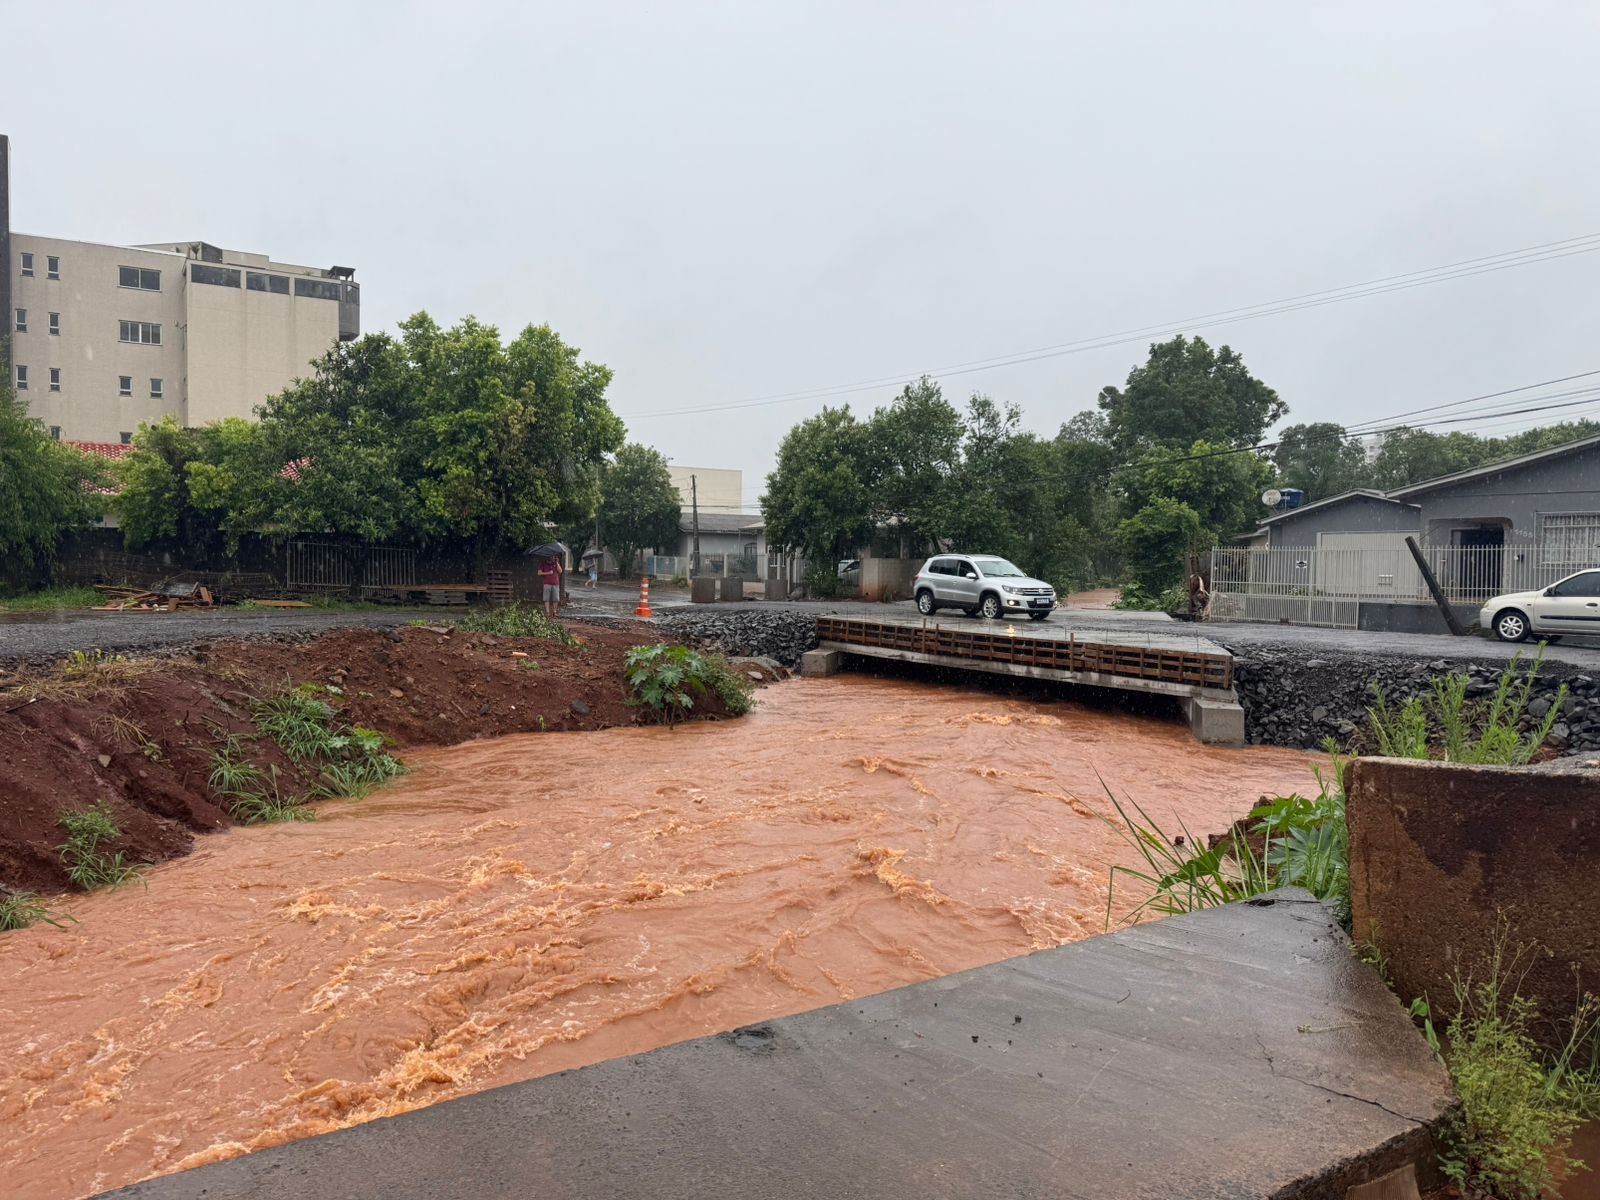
1139	661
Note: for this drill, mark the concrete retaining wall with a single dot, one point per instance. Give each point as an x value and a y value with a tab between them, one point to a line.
1439	852
887	578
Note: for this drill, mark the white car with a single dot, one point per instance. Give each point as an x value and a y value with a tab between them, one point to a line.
1570	605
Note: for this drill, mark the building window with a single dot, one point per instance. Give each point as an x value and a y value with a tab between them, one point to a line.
127	438
22	378
52	267
1569	541
259	282
139	277
22	320
321	289
216	276
27	265
155	389
55	324
125	385
139	332
55	433
55	379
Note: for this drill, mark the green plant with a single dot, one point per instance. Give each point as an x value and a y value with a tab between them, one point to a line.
357	777
88	865
735	691
1135	597
516	620
663	679
1518	1111
268	804
1464	731
298	721
18	910
1291	841
231	774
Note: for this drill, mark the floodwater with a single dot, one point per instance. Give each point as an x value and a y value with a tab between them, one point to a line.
529	904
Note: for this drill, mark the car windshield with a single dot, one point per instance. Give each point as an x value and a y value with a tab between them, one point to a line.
999	568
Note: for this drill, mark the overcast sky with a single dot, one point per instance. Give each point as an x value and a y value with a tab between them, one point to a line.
725	202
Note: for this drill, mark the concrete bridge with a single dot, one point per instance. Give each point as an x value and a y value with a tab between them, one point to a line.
1196	672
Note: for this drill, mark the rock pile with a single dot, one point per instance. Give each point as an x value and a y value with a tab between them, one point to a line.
1292	700
783	634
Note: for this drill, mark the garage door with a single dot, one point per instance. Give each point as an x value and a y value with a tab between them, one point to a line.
1376	565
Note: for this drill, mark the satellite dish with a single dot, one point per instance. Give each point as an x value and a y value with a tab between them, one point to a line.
1272	497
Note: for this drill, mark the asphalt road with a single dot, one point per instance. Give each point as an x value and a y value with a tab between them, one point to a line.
33	637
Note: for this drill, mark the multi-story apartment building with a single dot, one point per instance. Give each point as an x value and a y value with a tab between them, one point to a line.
105	337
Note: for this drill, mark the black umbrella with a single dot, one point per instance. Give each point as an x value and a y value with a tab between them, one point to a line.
549	550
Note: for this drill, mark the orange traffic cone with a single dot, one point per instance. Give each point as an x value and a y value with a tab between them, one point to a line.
644	599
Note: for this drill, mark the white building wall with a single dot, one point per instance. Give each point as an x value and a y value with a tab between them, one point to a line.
720	490
88	351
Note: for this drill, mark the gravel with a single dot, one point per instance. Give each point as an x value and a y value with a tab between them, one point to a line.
781	633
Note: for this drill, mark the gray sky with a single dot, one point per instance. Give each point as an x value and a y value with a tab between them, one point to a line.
731	201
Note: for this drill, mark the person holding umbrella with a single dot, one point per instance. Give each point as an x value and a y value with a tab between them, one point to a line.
549	555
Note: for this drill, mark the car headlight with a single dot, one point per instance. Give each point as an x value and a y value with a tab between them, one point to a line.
1006	587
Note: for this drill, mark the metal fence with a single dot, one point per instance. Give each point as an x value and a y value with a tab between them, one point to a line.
1317	586
317	565
726	566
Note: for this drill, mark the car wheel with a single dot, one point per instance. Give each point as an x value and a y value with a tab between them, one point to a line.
1039	616
1511	626
989	606
925	604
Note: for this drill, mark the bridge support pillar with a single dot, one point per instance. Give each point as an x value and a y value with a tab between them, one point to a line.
1216	718
817	664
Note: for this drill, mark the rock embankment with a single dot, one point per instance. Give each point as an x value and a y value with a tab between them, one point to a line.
783	634
1293	699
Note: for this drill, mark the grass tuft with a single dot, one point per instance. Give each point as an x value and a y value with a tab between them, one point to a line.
18	910
88	864
516	620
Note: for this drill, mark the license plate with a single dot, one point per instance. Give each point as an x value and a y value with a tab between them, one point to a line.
1045	603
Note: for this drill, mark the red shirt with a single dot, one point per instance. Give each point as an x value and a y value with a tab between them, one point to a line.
549	572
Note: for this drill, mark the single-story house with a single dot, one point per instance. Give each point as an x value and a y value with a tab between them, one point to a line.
1513	525
730	543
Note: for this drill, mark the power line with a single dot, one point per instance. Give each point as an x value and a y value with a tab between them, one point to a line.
1354	429
1466	268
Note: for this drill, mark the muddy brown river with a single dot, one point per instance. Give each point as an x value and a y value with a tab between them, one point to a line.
535	903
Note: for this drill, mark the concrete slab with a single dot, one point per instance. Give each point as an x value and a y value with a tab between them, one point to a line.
1237	1052
818	664
1216	718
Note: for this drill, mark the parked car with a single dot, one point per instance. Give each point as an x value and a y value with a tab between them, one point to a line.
850	570
1570	605
980	584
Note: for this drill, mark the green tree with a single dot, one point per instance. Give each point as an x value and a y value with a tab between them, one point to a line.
1218	487
816	499
1184	392
1320	459
43	494
1410	456
912	451
639	506
200	489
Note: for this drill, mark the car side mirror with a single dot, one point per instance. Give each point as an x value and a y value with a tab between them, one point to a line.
1549	591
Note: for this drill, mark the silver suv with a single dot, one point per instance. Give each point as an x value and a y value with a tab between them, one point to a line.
980	584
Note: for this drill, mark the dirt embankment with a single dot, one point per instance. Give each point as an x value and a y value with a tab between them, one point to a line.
139	735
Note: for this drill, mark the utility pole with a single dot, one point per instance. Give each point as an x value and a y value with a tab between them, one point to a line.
694	504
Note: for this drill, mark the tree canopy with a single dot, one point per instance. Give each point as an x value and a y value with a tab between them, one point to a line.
438	436
1186	391
1320	459
640	506
43	493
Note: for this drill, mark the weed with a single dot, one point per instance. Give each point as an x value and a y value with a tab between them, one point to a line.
298	722
516	620
62	597
269	804
665	680
1465	731
1291	841
130	735
18	910
231	774
529	664
88	865
357	777
1518	1111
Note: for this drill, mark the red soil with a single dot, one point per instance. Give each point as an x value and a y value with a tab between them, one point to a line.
60	753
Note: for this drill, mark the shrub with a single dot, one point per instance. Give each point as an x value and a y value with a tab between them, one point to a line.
516	620
1518	1111
1134	597
88	865
665	681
